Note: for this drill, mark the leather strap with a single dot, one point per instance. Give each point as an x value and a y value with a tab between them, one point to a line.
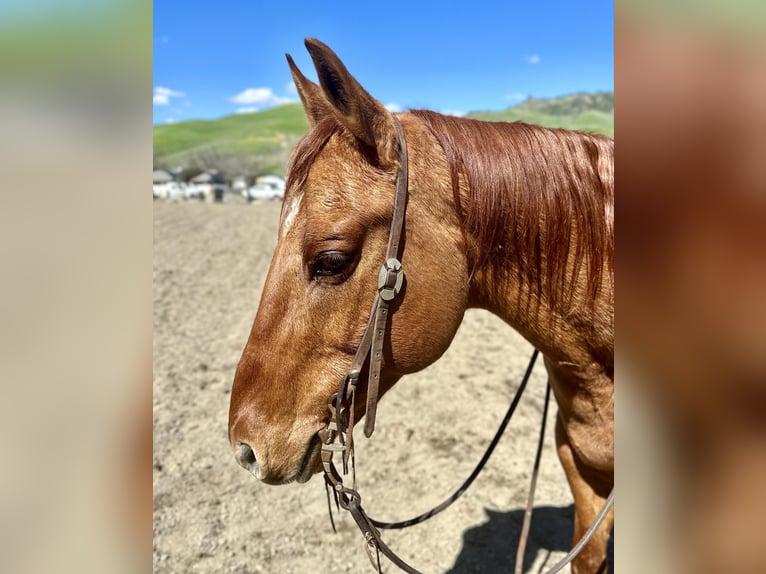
389	281
373	539
400	199
347	388
349	499
532	486
376	357
479	467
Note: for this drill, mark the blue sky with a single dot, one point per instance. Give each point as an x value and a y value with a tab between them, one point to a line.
213	59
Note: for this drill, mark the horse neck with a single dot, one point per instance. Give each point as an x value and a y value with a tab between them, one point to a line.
559	311
577	329
501	290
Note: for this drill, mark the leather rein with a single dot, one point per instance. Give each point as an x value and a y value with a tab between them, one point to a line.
337	437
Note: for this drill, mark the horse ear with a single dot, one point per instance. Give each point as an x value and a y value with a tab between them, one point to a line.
315	105
364	116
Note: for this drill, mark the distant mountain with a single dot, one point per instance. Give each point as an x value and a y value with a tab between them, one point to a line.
581	111
260	142
572	104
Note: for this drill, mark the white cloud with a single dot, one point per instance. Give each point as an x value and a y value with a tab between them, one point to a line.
261	97
247	110
162	95
516	96
171	121
457	113
291	89
393	107
534	59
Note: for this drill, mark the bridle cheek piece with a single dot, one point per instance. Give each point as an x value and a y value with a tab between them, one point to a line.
338	436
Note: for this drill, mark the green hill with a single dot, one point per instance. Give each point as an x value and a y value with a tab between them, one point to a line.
261	142
581	111
572	104
267	136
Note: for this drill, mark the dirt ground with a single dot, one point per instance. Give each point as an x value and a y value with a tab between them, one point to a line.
210	515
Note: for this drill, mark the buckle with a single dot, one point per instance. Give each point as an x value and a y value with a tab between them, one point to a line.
390	279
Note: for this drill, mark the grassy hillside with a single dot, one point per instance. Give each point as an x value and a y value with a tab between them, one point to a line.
240	133
268	135
585	112
261	142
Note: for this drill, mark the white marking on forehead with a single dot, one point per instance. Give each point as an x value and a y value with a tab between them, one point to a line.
291	213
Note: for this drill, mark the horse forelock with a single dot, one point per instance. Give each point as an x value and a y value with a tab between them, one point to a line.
542	198
349	170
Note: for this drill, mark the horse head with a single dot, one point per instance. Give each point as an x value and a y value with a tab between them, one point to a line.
322	280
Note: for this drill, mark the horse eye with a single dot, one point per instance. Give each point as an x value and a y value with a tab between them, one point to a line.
331	264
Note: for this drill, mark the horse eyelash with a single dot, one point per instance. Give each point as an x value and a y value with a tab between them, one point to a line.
337	278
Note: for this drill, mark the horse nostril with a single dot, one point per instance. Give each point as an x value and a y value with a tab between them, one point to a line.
246	458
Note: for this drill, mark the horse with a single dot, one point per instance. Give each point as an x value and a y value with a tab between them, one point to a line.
513	218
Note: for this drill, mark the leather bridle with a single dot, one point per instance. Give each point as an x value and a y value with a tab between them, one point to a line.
337	437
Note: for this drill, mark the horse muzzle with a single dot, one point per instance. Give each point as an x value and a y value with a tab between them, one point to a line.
259	466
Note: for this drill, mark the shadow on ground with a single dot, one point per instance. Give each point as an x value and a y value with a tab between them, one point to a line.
491	547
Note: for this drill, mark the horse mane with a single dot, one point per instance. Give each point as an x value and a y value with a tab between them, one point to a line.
541	198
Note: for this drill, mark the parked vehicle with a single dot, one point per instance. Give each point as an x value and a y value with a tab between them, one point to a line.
194	191
264	190
171	190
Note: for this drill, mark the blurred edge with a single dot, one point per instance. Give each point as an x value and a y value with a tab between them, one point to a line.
75	151
691	279
75	299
